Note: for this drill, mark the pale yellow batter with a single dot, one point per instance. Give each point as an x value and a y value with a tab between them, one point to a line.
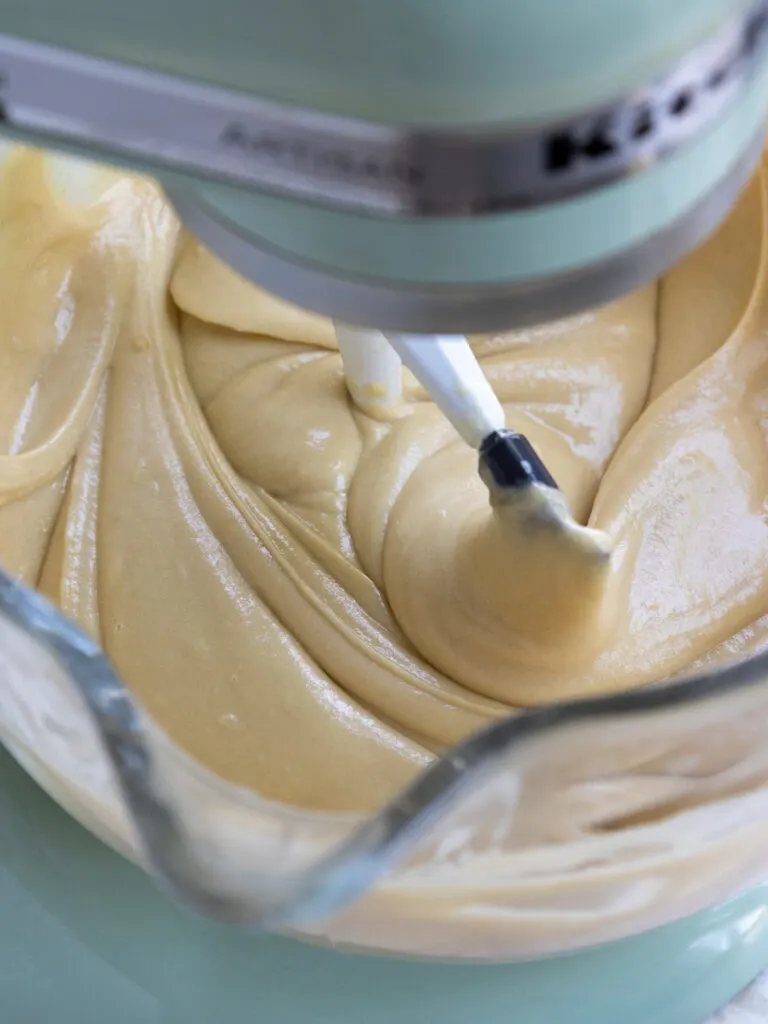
313	602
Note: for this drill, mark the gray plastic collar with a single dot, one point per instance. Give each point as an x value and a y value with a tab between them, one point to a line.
457	309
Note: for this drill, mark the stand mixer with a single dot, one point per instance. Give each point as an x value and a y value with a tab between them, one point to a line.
495	167
500	165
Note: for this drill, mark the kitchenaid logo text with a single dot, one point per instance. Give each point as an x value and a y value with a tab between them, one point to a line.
664	117
328	160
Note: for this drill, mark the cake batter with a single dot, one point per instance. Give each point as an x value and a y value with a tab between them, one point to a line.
314	602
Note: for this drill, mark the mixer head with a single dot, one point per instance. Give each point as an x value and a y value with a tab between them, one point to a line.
455	168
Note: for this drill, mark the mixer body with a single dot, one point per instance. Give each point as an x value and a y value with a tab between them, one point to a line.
488	167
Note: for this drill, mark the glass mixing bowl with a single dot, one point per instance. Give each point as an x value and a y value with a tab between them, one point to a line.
557	829
565	827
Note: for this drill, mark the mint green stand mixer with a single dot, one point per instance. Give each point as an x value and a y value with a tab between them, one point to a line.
402	167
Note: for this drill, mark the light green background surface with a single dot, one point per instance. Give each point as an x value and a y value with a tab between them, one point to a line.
85	938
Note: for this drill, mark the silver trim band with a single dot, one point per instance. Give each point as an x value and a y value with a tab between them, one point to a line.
464	309
223	135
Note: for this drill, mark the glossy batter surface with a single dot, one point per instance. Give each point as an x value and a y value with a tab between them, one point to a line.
312	601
